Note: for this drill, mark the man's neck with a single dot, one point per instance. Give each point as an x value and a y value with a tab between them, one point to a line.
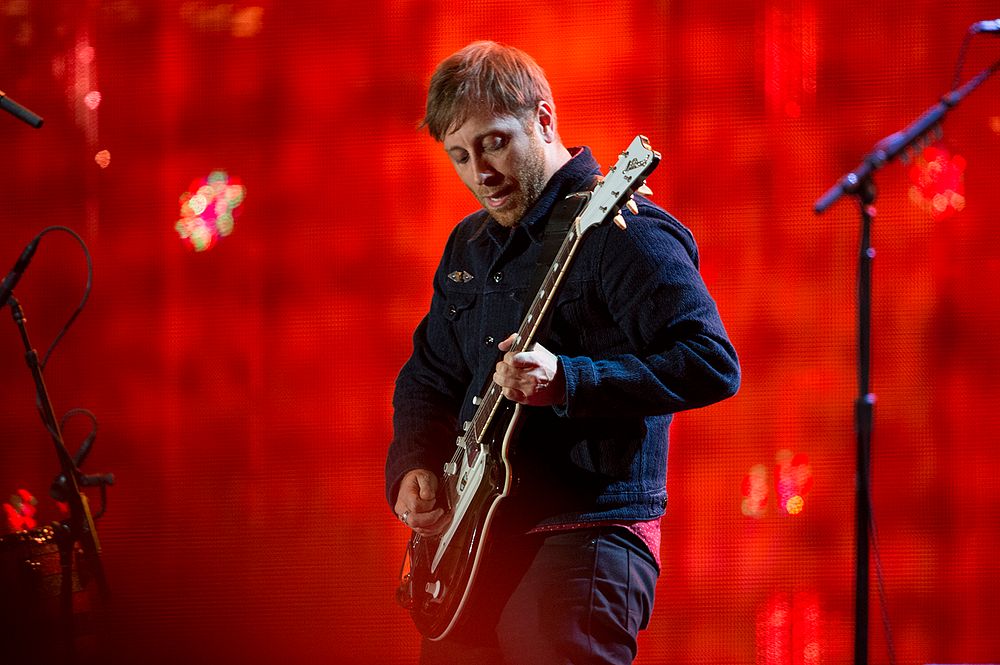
556	157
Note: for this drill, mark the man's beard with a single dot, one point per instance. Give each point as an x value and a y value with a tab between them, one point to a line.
531	180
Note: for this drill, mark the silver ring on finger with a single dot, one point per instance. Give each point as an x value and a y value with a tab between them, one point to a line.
405	516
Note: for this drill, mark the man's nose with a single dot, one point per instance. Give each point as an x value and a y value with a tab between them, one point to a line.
484	171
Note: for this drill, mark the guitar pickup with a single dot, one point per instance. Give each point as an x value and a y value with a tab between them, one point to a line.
450	468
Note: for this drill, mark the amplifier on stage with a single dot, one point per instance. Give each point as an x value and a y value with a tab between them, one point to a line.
48	601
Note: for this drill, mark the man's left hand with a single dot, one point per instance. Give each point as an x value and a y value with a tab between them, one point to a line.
531	377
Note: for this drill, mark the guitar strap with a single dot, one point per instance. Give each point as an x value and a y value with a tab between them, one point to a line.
560	221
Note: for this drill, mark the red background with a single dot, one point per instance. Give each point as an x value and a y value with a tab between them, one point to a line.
244	392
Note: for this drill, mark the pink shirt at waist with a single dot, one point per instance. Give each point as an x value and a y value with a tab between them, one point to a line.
648	532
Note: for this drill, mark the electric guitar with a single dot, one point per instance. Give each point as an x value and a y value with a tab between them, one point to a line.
439	571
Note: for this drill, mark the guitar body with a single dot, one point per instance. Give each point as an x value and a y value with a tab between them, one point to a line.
436	585
443	568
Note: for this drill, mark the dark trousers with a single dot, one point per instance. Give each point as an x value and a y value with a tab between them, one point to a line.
568	597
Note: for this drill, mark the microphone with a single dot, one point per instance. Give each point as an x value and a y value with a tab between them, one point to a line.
986	26
59	489
15	109
10	281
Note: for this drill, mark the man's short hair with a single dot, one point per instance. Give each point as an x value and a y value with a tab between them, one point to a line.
483	77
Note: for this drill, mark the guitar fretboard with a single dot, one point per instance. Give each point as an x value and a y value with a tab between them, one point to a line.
490	401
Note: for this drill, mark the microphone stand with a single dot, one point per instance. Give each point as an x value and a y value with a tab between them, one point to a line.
80	525
860	183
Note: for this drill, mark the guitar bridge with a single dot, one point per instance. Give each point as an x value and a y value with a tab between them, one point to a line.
404	592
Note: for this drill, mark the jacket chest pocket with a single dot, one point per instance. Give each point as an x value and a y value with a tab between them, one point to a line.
457	307
461	313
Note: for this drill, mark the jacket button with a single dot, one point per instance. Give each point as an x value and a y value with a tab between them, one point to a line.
489	340
498	277
452	310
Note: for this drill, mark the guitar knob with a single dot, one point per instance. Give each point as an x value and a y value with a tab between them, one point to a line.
433	589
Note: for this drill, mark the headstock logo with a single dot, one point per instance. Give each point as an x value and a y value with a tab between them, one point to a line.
635	163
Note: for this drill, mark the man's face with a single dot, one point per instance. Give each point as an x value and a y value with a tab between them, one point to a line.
501	161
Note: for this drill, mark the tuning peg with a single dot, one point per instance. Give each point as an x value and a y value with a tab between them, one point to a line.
644	189
632	206
619	221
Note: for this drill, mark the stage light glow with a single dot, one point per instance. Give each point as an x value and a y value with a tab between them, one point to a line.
248	22
103	159
208	210
92	99
755	491
789	629
773	631
938	182
240	22
198	203
793	480
21	510
85	53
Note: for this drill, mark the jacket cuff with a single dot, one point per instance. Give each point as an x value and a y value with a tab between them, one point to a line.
578	372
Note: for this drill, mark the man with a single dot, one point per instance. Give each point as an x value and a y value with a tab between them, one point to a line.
573	558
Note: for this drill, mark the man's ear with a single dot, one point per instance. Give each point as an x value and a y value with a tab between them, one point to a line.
545	116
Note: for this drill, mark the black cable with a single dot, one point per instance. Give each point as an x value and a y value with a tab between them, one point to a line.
84	449
880	584
961	58
86	290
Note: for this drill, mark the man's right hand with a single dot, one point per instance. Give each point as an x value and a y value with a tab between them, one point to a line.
415	503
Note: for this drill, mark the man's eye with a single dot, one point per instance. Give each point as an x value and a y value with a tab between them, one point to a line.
494	143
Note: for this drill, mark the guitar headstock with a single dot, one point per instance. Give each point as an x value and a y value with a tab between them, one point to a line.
628	175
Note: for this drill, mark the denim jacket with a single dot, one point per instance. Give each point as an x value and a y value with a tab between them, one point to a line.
638	338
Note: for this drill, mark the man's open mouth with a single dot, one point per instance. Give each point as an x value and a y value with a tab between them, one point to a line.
498	198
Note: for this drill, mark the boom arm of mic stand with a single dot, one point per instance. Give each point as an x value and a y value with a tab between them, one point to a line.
891	146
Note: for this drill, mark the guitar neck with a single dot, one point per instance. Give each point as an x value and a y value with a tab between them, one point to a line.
537	313
627	175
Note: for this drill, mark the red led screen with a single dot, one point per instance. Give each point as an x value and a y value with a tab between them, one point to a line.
243	391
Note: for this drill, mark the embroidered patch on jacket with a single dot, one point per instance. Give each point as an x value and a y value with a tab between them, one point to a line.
460	277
